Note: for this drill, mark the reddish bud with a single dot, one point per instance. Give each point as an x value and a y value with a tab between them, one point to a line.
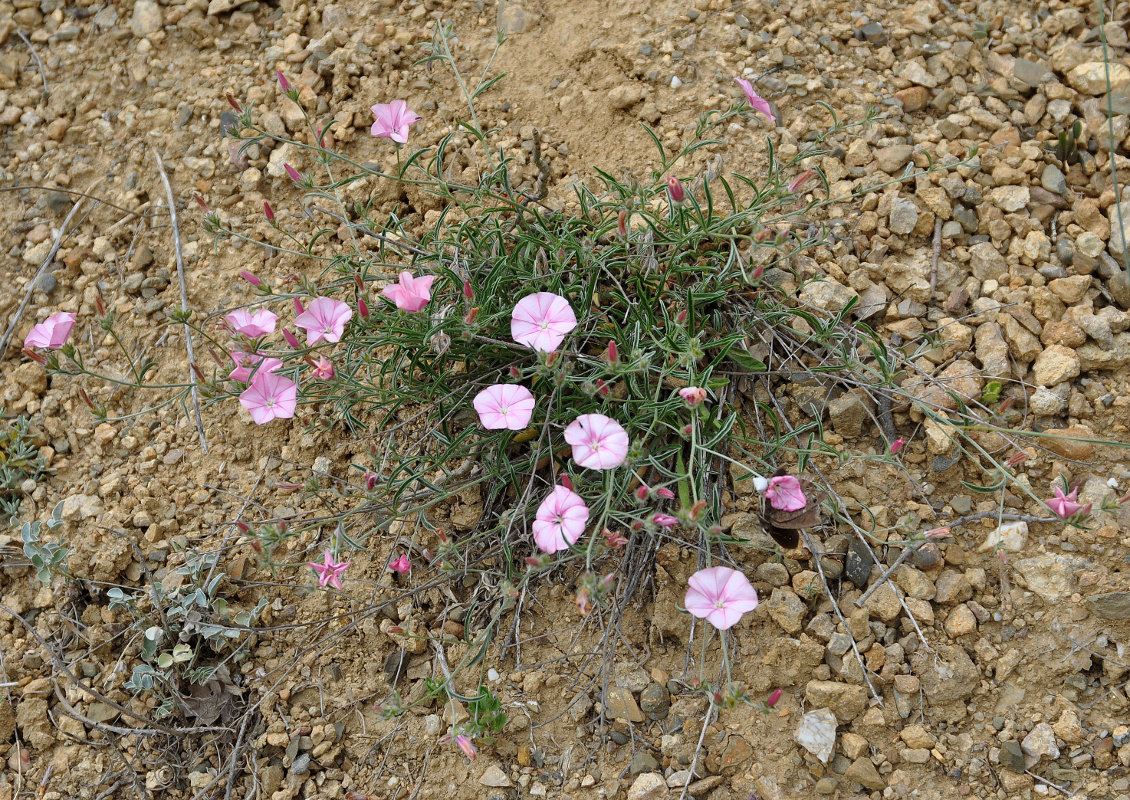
800	180
688	430
758	271
613	352
287	486
233	102
370	481
897	445
470	316
291	339
1016	458
665	493
697	509
622	222
199	374
98	305
298	307
515	373
642	493
938	533
362	308
551	359
467	292
395	630
269	212
85	397
763	235
283	82
614	539
602	387
243	526
566	481
1124	499
637	526
681	317
774	696
294	174
251	277
675	189
200	202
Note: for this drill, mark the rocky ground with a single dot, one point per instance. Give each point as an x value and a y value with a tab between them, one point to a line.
998	669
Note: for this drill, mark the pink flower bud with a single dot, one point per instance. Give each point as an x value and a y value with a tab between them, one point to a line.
774	696
233	102
269	212
362	308
401	566
665	493
515	373
758	271
283	82
466	746
370	481
602	387
665	520
294	174
467	292
470	316
642	493
251	278
692	395
200	202
613	352
622	223
676	189
800	180
298	307
291	339
897	445
566	481
681	317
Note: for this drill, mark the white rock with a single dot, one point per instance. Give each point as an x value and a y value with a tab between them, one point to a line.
1011	536
1039	743
648	786
495	777
817	733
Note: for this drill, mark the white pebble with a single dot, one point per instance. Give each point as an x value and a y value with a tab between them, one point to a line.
675	82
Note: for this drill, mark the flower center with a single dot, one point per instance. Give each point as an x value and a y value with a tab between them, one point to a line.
270	402
720	604
544	325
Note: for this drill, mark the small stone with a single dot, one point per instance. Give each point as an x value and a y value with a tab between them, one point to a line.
913	98
858	564
1091	77
1040	743
655	701
1119	216
894	157
904	215
146	18
786	609
863	771
649	786
494	776
914	72
1111	605
620	704
817	733
643	761
631	676
986	262
625	95
853	745
1030	73
1010	536
847	701
512	18
301	764
848	414
1012	756
1052	179
1050	576
1064	442
874	34
1010	198
960	622
1055	365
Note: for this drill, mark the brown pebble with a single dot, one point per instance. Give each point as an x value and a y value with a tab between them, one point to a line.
913	98
1065	442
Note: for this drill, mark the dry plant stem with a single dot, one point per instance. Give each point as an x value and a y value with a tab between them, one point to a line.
1046	782
386	239
38	63
836	606
31	286
995	515
937	253
183	300
698	748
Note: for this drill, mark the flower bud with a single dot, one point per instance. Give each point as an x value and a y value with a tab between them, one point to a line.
298	307
613	352
467	292
665	493
251	278
291	339
243	526
642	493
370	481
622	222
566	481
602	387
676	189
269	212
470	316
515	373
283	82
233	102
800	180
897	445
362	308
200	202
774	696
681	317
294	174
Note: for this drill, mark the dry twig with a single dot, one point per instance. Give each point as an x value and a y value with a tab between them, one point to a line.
183	300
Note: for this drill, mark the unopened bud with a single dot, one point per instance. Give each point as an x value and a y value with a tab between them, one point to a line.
291	339
800	180
200	202
602	387
199	374
613	352
622	222
665	493
283	82
362	308
515	373
251	277
298	307
233	102
470	316
566	481
85	397
773	698
467	292
676	189
294	174
681	317
269	212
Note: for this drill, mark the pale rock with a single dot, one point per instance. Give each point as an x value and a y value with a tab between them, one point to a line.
904	216
1038	744
847	701
960	622
917	737
146	18
494	776
986	262
625	95
1045	402
1052	577
1091	77
81	506
914	72
908	275
992	351
786	609
863	771
1055	365
1010	536
620	704
648	786
817	733
893	158
827	295
1010	198
1119	216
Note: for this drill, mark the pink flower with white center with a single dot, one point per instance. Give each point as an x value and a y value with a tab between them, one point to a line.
248	365
269	397
324	320
785	493
692	395
542	320
720	595
504	406
410	294
330	570
323	369
252	324
598	441
52	333
560	520
401	566
756	101
392	120
1065	505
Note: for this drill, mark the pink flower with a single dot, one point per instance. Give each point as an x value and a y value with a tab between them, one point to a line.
466	746
757	102
560	520
897	445
541	321
1064	505
784	493
330	571
402	565
252	325
676	189
392	120
720	595
598	441
323	369
504	406
247	364
665	493
665	520
52	333
324	319
410	294
693	395
269	397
